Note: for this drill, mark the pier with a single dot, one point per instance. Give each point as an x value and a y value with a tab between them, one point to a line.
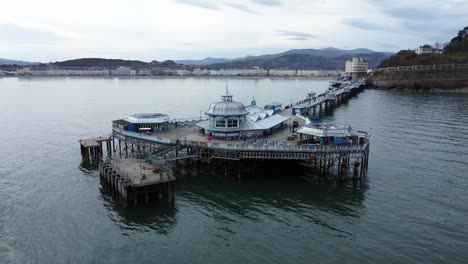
232	133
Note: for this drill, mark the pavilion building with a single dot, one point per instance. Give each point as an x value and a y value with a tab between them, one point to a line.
330	134
228	119
145	122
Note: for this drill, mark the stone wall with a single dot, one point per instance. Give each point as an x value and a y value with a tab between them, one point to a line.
420	80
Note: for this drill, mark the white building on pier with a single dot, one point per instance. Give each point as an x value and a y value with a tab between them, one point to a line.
231	119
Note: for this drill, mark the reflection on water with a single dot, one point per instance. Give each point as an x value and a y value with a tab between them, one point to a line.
248	196
157	216
274	189
86	166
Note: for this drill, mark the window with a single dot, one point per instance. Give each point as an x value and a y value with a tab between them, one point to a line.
220	122
233	122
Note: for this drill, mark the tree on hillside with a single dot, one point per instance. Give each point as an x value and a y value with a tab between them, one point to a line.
399	59
457	45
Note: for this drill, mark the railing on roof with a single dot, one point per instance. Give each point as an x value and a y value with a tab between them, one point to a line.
188	120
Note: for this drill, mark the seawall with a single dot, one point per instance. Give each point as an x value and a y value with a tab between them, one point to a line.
442	80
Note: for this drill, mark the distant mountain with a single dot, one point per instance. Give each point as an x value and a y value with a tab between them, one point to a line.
301	61
16	62
327	58
98	62
205	61
169	63
326	52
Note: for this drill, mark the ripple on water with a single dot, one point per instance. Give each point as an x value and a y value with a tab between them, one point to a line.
411	209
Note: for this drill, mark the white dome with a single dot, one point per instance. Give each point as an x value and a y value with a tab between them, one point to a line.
227	108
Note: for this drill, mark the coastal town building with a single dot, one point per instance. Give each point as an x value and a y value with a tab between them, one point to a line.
356	65
274	72
143	72
61	72
319	73
356	68
200	72
124	71
239	72
164	71
24	71
169	72
183	73
425	49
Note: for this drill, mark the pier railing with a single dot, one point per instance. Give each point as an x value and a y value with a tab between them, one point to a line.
277	147
247	146
192	120
151	138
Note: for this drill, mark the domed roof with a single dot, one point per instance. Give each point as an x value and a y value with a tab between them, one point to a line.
227	107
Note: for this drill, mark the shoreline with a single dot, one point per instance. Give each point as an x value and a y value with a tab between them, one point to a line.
327	78
431	90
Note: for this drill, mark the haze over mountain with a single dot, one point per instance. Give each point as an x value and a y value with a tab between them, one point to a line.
328	58
205	61
16	62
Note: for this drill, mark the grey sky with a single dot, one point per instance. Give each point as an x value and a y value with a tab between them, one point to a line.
51	30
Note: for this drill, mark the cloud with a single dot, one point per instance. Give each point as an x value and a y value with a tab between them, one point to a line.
411	13
361	24
298	38
268	2
429	19
19	34
391	46
216	5
200	3
294	35
241	8
223	28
